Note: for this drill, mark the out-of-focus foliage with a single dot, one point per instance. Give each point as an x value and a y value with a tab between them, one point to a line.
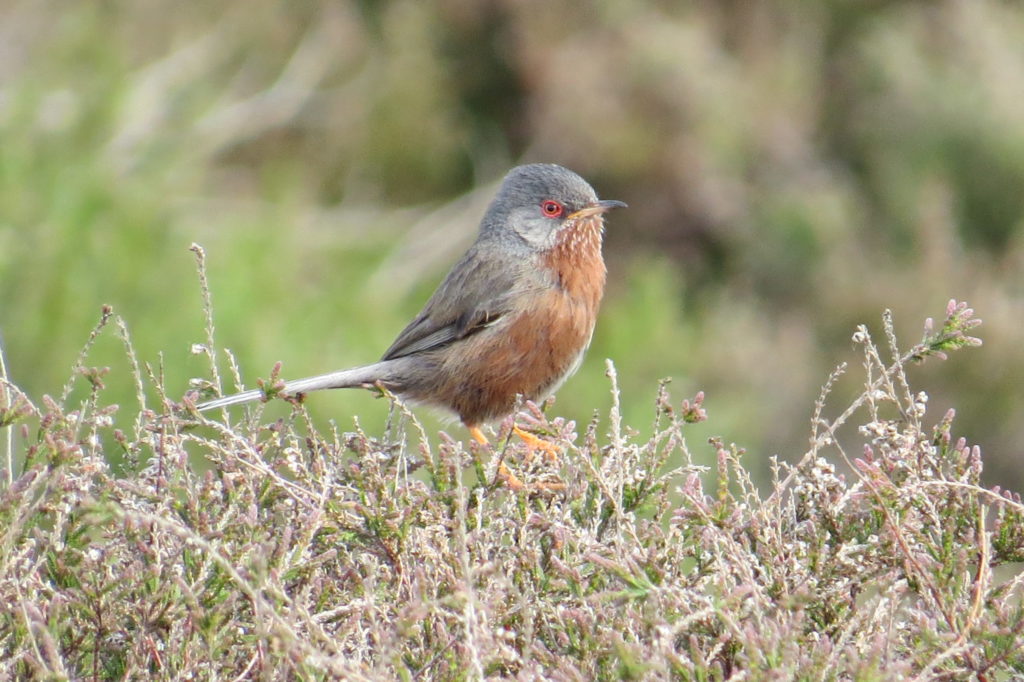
790	167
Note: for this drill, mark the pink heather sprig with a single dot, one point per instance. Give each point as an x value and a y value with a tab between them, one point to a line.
953	334
694	412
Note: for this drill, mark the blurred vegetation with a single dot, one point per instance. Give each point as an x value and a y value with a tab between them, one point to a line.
791	168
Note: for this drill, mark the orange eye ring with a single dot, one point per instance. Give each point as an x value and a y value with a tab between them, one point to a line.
552	209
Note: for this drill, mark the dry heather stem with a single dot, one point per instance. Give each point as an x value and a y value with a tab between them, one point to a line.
277	550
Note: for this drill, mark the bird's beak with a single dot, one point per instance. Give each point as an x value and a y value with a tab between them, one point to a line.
596	208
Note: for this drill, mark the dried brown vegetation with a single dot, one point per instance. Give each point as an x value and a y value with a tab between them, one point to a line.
293	551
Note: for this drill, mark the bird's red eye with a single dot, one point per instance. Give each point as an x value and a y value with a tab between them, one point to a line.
552	209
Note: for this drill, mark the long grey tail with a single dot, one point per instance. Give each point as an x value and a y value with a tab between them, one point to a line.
346	378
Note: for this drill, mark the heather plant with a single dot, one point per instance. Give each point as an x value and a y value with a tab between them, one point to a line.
237	546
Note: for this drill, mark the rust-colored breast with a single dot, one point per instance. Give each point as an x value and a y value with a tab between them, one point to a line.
576	260
533	348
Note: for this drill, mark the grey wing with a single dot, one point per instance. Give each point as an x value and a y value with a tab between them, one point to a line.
475	294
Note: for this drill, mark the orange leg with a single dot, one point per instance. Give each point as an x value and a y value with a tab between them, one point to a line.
478	435
507	477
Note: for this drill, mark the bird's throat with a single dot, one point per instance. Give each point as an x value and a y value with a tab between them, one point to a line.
576	261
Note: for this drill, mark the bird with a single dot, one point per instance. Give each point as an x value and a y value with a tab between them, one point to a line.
513	317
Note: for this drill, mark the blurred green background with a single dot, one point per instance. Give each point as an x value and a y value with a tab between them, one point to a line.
792	169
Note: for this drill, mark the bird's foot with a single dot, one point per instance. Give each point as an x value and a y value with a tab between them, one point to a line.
534	443
506	476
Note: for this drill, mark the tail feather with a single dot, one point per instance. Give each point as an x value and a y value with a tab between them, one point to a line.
346	378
